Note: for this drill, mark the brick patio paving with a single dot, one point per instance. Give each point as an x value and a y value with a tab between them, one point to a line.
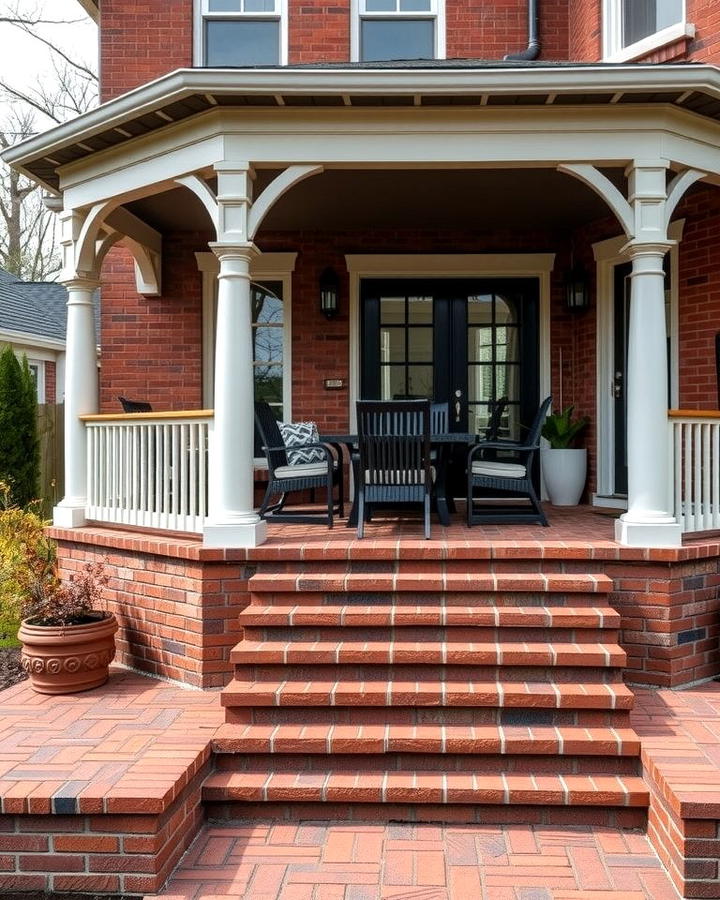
315	861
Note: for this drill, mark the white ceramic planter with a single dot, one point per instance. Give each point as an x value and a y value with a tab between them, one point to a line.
564	472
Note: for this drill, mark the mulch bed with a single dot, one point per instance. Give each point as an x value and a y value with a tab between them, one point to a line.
10	669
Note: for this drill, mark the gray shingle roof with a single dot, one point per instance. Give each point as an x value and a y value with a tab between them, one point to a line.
35	308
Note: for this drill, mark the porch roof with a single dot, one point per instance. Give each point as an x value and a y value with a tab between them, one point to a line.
185	93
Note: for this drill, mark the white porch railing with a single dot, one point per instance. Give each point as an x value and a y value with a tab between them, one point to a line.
149	469
695	456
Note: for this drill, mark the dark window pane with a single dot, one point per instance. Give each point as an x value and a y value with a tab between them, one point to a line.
642	18
420	345
399	39
242	43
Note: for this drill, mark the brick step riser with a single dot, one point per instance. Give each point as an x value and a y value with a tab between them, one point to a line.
414	567
409	715
421	633
480	814
382	674
382	601
430	762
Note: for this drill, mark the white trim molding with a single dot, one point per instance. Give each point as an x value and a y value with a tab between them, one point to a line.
613	49
450	265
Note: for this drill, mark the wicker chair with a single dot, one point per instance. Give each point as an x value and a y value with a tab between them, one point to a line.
394	450
511	477
284	479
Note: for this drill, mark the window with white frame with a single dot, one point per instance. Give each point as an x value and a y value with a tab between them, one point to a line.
398	29
37	370
241	33
635	27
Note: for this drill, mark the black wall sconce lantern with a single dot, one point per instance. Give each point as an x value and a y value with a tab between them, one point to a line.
577	290
329	293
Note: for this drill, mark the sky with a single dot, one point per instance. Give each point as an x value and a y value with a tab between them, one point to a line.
25	61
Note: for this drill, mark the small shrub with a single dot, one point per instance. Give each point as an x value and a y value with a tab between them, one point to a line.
29	584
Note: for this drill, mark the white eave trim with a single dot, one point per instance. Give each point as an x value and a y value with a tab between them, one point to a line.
27	339
288	80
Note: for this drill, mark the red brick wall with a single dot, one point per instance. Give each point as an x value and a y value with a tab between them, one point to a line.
177	616
141	40
699	309
50	382
481	30
152	346
585	30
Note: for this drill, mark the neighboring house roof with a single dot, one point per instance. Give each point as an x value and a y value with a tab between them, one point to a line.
37	309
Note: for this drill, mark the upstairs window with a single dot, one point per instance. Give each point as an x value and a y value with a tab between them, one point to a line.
633	28
242	33
398	29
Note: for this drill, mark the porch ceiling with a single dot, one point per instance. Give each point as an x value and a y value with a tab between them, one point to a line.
469	199
186	93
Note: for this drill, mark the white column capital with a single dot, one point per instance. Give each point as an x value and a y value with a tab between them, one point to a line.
242	253
639	249
77	284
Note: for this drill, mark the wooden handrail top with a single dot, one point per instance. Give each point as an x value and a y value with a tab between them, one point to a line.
167	416
694	414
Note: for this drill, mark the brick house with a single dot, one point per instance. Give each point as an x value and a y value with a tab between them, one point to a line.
245	147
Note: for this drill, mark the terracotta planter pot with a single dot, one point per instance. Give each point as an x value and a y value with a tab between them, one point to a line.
69	658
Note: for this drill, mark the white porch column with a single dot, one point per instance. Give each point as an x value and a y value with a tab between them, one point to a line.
648	521
232	519
81	398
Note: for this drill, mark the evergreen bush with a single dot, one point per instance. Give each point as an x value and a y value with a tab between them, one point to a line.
19	442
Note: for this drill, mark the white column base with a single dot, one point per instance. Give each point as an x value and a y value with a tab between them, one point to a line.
235	535
648	534
69	516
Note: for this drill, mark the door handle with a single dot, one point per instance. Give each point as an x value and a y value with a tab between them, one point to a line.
617	386
458	405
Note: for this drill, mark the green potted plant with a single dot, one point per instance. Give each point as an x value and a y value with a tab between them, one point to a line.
564	467
68	640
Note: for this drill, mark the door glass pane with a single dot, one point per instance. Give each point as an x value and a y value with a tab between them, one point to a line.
478	417
268	345
392	382
480	384
420	345
392	310
506	344
242	43
392	345
268	384
420	381
397	39
507	380
480	309
505	310
479	344
420	310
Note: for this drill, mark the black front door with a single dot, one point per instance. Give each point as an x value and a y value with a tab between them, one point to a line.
465	342
621	324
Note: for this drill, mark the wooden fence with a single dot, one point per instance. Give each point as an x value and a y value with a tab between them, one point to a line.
51	427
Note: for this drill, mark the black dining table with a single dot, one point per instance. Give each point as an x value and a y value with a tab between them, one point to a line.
441	442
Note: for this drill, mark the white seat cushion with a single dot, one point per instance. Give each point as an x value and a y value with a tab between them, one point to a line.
498	469
303	470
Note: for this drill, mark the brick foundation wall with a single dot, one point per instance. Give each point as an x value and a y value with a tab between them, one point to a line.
130	852
177	616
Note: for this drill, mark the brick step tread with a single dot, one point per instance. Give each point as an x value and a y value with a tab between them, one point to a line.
501	653
430	581
432	692
425	787
440	614
430	738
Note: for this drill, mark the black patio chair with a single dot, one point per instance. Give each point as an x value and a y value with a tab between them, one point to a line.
510	475
394	456
135	406
285	478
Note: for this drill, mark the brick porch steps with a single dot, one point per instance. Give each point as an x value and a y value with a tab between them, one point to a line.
382	737
427	689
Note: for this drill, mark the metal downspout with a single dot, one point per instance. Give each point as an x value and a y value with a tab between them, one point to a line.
533	48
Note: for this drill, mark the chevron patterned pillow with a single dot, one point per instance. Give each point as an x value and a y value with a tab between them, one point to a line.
297	434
